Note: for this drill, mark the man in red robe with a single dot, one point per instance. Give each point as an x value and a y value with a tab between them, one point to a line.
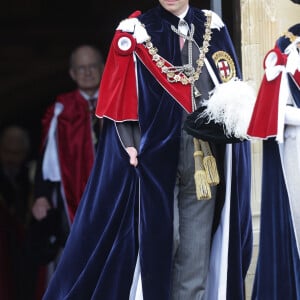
68	130
70	136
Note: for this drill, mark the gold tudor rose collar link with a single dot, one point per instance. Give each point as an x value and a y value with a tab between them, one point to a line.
176	74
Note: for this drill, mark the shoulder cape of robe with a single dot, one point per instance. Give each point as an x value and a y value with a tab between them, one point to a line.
75	146
127	212
264	125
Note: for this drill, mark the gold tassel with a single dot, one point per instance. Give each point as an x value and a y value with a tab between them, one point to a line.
211	170
210	164
203	191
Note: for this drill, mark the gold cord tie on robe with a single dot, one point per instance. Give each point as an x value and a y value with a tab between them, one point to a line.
209	163
206	172
203	191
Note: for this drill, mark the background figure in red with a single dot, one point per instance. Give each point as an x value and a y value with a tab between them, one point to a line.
70	138
15	193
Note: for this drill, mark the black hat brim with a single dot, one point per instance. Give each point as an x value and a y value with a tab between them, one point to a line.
200	127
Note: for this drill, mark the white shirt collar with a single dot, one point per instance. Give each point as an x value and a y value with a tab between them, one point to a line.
183	26
87	97
181	16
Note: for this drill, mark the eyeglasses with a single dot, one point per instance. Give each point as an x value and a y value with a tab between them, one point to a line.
86	68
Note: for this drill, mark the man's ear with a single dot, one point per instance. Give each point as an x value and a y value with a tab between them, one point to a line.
72	74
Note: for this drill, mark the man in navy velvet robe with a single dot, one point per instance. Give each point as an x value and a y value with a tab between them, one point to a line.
125	239
276	119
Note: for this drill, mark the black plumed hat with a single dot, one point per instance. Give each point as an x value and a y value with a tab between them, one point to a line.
288	37
202	128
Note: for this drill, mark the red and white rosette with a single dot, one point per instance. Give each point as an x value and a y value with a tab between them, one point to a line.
124	43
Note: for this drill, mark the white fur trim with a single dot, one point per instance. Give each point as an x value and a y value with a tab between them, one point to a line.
128	25
290	159
293	61
292	116
272	70
216	21
135	26
231	104
283	99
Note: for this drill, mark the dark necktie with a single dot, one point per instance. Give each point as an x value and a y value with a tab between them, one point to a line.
95	120
93	104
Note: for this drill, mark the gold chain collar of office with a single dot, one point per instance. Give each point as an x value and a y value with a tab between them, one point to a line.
177	74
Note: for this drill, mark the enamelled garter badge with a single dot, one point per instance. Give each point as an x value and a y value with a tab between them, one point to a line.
225	65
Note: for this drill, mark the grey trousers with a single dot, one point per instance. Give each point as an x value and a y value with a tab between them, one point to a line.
192	230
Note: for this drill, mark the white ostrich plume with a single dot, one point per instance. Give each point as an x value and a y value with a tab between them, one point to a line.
231	104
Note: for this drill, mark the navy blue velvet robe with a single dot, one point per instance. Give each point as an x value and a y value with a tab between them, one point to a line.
277	274
125	210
